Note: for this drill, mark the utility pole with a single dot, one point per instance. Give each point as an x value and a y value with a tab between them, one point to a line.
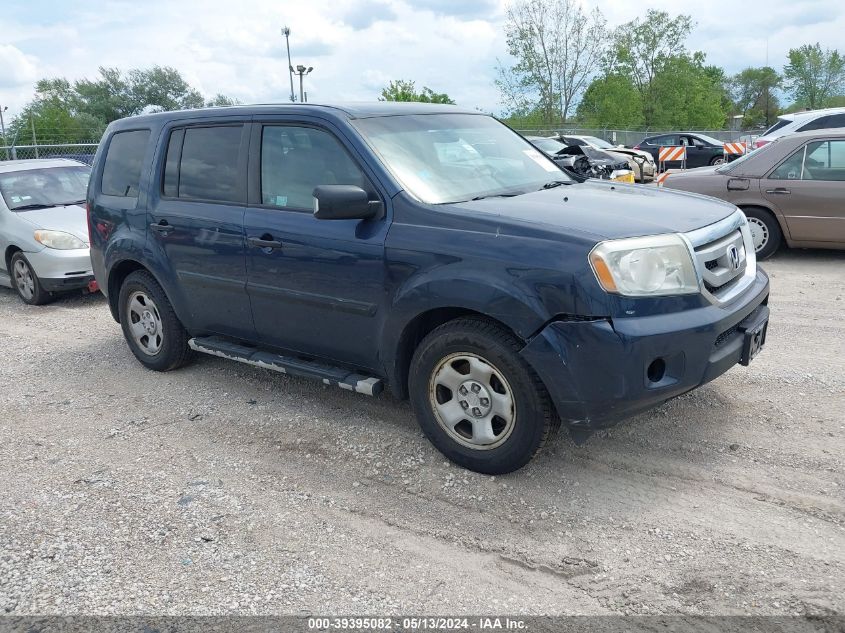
3	130
34	140
286	33
302	71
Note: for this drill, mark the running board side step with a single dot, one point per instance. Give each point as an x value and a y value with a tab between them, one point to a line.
330	375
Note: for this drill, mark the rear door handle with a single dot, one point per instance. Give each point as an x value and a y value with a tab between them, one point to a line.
162	226
265	241
779	190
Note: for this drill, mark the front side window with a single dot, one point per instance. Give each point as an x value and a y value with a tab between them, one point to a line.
45	187
123	163
670	140
791	168
202	163
295	160
440	158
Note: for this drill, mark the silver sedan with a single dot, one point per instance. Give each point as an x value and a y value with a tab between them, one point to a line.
43	228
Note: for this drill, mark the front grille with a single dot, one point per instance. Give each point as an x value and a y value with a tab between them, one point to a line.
723	262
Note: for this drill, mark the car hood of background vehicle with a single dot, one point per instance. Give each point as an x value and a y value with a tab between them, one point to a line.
70	219
608	210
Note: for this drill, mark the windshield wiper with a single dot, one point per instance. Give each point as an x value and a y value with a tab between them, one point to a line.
496	195
31	207
67	204
558	183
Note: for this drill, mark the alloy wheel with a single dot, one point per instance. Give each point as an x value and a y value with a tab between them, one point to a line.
24	279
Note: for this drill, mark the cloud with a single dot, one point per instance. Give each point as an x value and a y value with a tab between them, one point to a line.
368	12
16	67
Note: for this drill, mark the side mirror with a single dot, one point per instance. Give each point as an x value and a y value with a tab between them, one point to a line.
344	202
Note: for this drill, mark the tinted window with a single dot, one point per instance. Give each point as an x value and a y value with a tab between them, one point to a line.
665	141
207	163
824	123
124	159
777	126
294	160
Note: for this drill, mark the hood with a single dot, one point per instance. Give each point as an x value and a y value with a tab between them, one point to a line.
70	219
607	210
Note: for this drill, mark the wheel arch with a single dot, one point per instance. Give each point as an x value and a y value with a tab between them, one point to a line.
11	249
784	229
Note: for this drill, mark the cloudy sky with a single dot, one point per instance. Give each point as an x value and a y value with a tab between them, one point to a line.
355	46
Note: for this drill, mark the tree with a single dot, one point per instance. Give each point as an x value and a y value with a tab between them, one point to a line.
813	76
753	98
686	96
557	48
405	90
221	100
642	48
611	101
108	97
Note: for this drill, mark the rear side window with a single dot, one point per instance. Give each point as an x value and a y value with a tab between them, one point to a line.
124	160
670	140
202	163
824	123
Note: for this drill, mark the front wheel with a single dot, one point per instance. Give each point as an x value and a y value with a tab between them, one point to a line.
718	160
150	326
26	282
476	399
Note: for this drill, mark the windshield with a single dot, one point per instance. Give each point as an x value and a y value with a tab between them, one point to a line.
710	140
781	123
441	158
550	145
595	141
44	187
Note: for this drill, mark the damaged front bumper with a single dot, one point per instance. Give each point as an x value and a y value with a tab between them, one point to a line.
600	372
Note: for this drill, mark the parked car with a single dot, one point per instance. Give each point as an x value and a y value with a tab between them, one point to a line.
791	189
43	228
585	161
701	149
375	244
642	162
806	121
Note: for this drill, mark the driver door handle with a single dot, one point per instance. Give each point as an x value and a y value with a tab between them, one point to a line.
265	241
779	190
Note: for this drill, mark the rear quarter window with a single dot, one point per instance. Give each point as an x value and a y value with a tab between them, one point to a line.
123	163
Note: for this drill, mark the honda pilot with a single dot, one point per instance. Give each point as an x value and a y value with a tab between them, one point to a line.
424	248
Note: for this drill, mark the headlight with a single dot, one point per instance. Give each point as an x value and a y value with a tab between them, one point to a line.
59	240
645	266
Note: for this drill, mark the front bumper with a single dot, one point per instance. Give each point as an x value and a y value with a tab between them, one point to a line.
599	373
59	270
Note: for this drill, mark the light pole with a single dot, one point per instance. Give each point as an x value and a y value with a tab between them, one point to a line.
3	130
286	33
302	71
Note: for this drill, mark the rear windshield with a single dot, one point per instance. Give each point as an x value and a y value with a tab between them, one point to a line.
44	187
781	123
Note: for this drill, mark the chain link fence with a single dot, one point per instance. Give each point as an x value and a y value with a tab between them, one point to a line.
83	152
630	137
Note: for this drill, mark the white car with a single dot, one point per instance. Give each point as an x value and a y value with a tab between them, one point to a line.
803	122
44	228
642	162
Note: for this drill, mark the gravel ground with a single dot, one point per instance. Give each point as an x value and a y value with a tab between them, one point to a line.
221	488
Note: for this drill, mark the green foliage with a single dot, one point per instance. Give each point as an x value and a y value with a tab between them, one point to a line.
753	94
65	112
685	96
405	90
814	76
611	101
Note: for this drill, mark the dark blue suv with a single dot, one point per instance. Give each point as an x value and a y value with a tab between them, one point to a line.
426	248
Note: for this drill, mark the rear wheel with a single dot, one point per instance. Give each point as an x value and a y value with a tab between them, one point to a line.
150	326
26	282
476	399
765	232
718	160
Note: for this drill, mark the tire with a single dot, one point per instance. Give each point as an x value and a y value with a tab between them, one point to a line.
717	160
472	352
154	333
26	282
765	230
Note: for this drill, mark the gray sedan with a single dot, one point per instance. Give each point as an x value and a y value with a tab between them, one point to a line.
43	228
791	190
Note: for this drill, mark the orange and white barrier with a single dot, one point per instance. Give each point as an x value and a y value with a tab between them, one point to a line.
659	178
734	148
673	153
